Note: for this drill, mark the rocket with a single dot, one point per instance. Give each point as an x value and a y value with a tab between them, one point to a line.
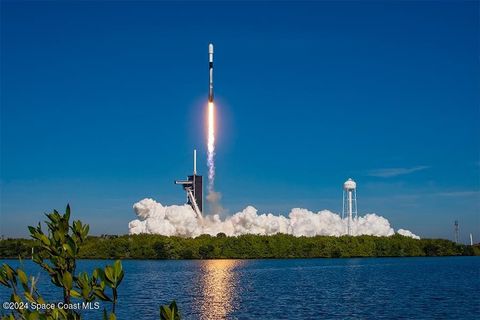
210	68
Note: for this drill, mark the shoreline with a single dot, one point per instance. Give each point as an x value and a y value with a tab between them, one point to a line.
278	246
250	259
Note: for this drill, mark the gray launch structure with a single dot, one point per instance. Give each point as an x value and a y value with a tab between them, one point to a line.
193	186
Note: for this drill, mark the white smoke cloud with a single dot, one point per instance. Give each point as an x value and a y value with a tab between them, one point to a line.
213	199
407	233
153	218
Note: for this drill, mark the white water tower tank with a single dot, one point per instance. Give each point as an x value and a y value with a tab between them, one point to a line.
349	185
349	203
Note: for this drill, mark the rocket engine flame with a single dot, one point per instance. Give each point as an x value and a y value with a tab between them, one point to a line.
211	146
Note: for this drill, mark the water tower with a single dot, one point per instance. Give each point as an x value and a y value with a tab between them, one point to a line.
349	203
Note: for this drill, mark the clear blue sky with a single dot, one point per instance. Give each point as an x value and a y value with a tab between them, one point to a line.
103	102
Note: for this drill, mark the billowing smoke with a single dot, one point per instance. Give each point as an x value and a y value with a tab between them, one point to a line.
213	198
407	233
175	220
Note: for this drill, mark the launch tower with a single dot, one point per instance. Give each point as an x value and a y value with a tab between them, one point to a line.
193	186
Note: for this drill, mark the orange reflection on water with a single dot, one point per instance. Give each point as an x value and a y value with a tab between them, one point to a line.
218	284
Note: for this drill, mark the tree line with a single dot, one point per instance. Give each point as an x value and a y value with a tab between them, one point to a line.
249	247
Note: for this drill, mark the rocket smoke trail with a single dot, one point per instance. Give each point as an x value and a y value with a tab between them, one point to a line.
211	124
211	147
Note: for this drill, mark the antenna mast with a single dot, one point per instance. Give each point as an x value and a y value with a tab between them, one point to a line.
456	231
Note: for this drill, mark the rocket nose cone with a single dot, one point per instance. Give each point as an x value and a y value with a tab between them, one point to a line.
210	48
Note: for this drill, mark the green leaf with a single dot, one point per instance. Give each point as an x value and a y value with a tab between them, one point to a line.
77	227
68	249
165	313
73	244
86	293
169	312
174	308
67	212
33	230
22	276
34	316
86	228
110	274
120	278
83	276
43	238
101	295
118	268
98	274
75	294
10	273
67	280
112	317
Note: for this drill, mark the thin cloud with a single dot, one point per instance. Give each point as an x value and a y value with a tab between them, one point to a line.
459	193
393	172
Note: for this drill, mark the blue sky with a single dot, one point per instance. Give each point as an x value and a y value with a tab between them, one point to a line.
103	102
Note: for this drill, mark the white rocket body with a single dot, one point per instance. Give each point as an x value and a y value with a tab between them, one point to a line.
210	67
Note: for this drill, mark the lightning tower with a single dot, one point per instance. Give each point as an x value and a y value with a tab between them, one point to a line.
456	230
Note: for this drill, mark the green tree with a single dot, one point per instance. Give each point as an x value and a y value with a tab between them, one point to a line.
56	252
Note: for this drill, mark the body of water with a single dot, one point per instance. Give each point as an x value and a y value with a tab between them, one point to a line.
381	288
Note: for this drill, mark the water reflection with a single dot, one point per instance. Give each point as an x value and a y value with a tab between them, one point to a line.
218	296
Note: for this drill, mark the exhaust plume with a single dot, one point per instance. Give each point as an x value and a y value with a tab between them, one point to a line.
211	147
154	218
213	197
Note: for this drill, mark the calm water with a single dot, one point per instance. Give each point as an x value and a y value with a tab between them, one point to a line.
386	288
